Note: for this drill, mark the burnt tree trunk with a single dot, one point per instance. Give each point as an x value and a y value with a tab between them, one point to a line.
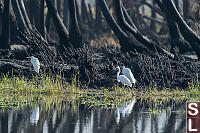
24	13
98	16
42	19
59	7
19	16
152	24
31	11
177	4
74	31
186	9
177	42
188	34
5	38
36	16
48	21
90	12
125	41
84	12
60	27
78	13
66	14
151	45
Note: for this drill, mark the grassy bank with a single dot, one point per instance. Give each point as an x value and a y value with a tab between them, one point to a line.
19	91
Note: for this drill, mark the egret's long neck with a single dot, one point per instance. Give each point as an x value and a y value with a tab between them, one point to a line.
118	73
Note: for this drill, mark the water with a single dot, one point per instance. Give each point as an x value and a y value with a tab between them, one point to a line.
135	116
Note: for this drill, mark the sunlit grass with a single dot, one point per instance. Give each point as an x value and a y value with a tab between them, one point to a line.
19	91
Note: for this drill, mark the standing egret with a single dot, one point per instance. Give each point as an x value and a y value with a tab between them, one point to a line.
127	72
123	78
35	62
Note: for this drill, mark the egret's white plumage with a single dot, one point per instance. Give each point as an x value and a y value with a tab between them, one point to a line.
127	72
123	78
36	64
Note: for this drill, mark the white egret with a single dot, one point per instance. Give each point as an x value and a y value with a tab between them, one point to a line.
123	78
35	62
127	72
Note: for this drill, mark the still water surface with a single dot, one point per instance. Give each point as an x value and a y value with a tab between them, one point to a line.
135	116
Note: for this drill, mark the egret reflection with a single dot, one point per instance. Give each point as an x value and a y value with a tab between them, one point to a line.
35	115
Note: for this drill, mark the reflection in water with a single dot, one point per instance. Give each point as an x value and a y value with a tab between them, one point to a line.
125	110
45	127
133	117
35	115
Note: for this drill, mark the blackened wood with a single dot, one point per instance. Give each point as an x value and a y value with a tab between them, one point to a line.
24	13
150	44
5	38
126	42
36	15
74	31
84	12
61	29
186	31
98	16
19	17
66	14
42	19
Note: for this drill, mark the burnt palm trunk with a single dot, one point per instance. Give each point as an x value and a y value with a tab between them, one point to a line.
74	31
66	13
84	12
24	13
6	25
61	29
90	13
188	34
177	41
36	16
42	19
125	41
186	9
19	16
98	16
151	45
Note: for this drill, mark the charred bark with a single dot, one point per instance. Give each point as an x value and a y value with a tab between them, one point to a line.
188	34
24	13
84	12
36	16
66	13
125	41
90	12
5	38
42	19
74	30
98	15
61	29
151	45
177	4
59	7
48	21
177	41
187	9
19	16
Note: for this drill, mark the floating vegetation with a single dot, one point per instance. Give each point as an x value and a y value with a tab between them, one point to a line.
19	91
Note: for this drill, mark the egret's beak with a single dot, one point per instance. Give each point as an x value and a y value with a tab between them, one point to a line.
28	57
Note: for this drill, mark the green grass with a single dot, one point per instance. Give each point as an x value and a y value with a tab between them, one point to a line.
19	91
